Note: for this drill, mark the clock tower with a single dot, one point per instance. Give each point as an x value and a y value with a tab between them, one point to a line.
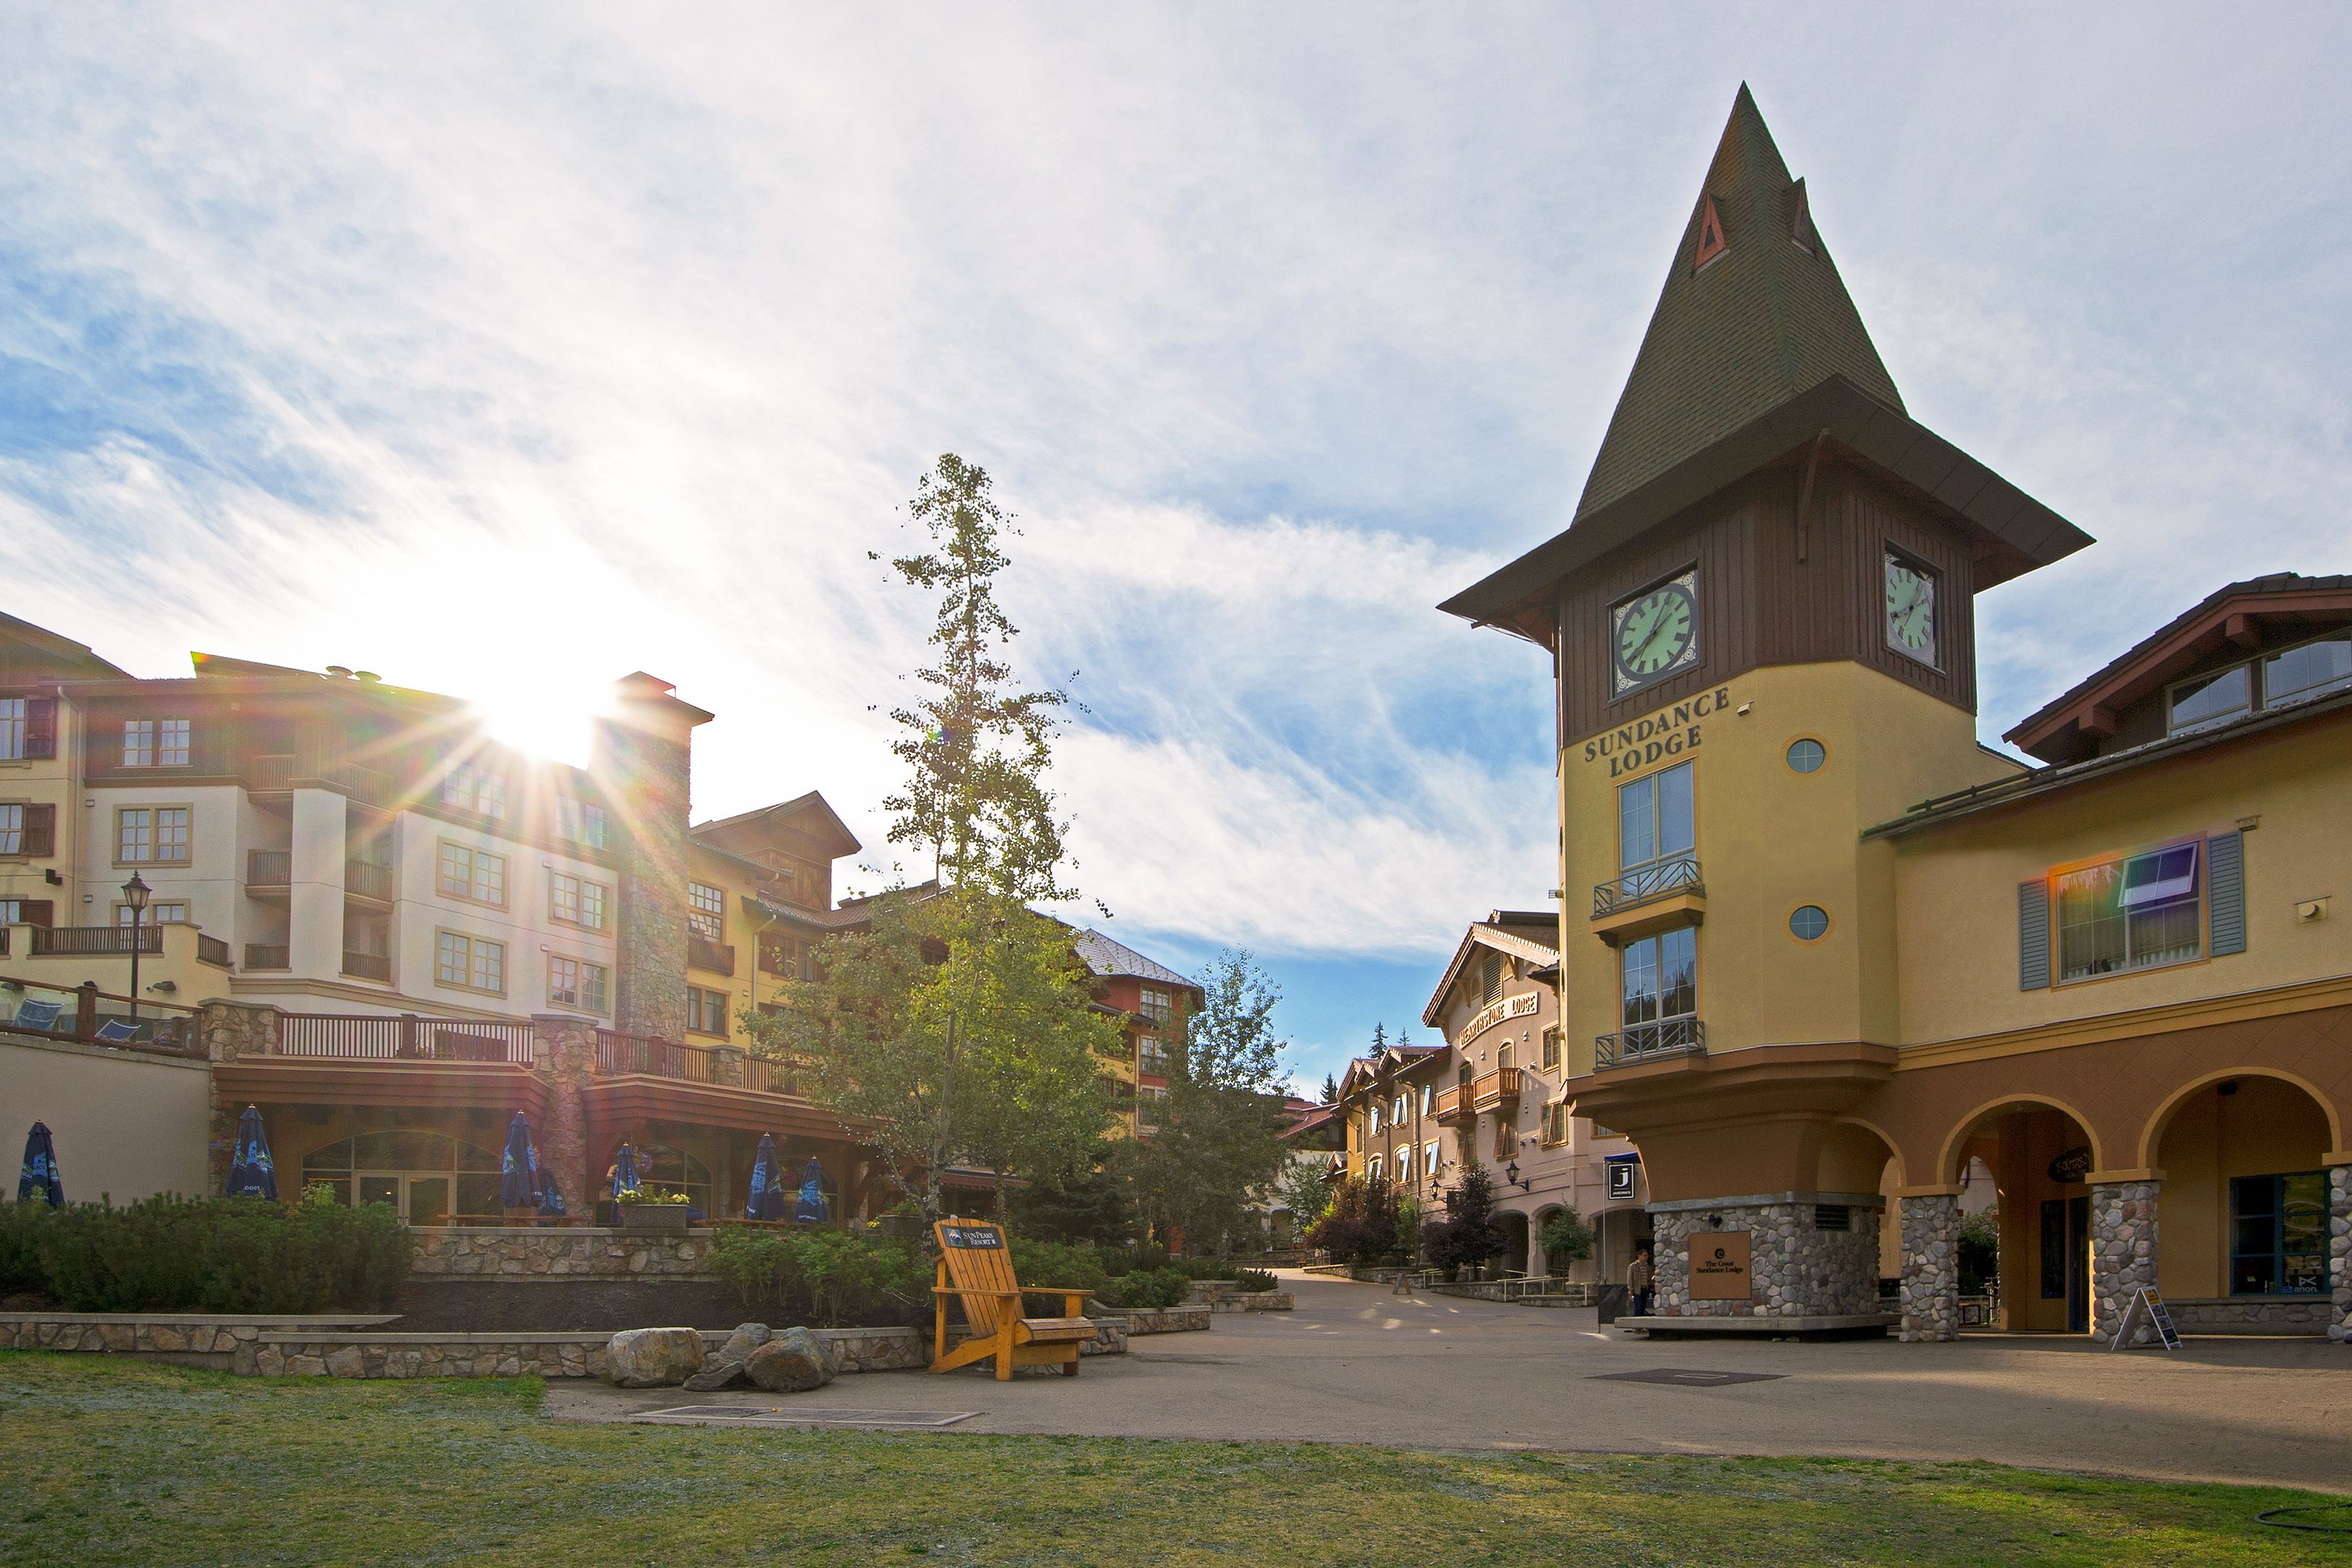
1761	623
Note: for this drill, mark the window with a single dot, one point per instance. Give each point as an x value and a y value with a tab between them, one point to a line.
2278	1235
1555	1124
576	902
580	822
1157	1005
1376	1118
1429	1160
1373	1170
2213	699
12	828
480	790
475	875
1806	756
1490	979
11	729
156	835
1660	976
706	913
2133	913
1402	1111
1429	1100
1653	817
1809	923
474	963
154	742
1552	1047
28	728
1507	1055
1151	1056
705	1011
576	982
158	913
2314	668
26	911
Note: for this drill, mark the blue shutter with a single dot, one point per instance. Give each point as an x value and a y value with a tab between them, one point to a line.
2225	872
2033	935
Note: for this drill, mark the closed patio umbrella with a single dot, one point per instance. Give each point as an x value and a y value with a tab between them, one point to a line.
519	1167
811	1209
625	1180
39	1177
767	1200
250	1173
550	1196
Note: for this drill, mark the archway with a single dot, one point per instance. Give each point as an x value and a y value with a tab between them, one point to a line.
1515	1241
1857	1158
2038	1151
2242	1213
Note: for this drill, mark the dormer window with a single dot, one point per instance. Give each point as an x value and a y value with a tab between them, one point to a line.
155	743
2297	674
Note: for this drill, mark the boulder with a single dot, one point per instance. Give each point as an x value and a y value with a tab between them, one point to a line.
725	1368
792	1363
652	1358
719	1374
747	1338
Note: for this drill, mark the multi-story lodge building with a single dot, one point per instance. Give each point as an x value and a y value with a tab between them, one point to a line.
417	931
1822	951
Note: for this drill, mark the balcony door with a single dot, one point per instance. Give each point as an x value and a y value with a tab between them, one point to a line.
1656	833
421	1200
1659	977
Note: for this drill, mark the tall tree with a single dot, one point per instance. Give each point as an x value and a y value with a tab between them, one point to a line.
1331	1089
960	1027
1380	1038
1218	1144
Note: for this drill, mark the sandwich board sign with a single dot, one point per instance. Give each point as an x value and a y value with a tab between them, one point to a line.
2147	1306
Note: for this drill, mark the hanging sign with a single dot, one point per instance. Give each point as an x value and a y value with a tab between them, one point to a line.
2073	1165
1621	1179
1719	1266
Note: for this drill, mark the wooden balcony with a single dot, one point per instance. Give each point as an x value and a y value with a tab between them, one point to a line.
1453	1104
701	952
267	955
373	966
268	870
95	941
617	1053
351	1037
1497	1090
366	881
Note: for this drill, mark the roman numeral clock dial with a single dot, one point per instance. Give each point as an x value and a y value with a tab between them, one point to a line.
1910	610
1654	634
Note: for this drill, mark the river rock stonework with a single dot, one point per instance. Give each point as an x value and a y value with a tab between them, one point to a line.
1931	1268
2122	1253
1796	1268
2339	1249
457	1252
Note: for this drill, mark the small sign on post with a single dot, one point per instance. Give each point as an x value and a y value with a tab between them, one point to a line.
2145	1307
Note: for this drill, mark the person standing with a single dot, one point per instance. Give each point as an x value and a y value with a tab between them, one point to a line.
1637	1282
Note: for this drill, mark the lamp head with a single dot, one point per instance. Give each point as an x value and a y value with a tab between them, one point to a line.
135	891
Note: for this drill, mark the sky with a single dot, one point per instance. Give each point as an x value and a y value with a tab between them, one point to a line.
503	350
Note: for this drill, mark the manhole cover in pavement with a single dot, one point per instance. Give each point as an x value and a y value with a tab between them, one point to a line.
1685	1377
784	1416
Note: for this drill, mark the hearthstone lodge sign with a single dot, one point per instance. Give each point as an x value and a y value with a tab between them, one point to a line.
1508	1007
1668	733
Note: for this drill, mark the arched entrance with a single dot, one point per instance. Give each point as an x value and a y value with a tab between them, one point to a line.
2038	1152
1856	1158
2242	1215
1515	1241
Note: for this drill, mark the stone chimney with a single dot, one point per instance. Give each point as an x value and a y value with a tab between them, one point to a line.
642	758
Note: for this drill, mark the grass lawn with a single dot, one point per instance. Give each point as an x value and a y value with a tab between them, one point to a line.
113	1460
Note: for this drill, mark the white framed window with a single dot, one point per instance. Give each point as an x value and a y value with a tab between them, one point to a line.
155	743
150	835
159	913
2137	911
1401	1110
576	902
469	787
706	911
475	875
580	822
12	828
1376	1117
1429	1100
1429	1159
576	982
469	963
1373	1170
11	729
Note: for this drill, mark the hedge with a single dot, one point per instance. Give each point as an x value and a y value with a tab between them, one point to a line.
208	1255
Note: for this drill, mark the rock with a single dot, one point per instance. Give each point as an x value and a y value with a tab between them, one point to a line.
747	1338
652	1358
792	1363
719	1374
346	1362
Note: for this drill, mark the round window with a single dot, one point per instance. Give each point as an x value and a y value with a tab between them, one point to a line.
1809	923
1807	756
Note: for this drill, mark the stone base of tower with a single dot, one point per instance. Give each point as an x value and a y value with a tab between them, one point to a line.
1810	1266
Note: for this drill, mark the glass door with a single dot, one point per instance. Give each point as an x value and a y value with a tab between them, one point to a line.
380	1188
428	1200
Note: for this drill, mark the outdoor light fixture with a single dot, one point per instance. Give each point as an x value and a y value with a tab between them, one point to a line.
1511	1174
134	893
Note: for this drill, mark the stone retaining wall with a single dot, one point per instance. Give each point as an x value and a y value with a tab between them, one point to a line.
2259	1315
1167	1320
2339	1249
460	1252
1256	1301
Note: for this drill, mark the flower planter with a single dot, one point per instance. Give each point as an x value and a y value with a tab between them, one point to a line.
666	1218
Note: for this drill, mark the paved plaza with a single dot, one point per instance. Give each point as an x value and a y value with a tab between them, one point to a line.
1356	1364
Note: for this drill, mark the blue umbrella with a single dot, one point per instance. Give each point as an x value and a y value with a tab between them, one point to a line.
518	1169
810	1208
39	1177
625	1180
767	1200
250	1173
550	1196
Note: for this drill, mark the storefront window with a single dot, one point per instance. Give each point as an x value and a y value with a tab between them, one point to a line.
2278	1235
428	1178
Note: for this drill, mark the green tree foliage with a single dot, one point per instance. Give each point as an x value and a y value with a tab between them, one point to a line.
1360	1224
826	1279
1566	1239
1304	1192
1080	1202
1331	1089
1219	1144
959	1027
1468	1235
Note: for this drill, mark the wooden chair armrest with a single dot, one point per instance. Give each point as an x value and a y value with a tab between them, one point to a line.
973	1290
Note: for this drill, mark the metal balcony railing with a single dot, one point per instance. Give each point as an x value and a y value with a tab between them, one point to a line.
1648	1042
266	955
366	879
368	966
269	868
1647	884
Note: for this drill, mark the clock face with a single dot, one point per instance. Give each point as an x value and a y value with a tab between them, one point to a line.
1910	611
1653	636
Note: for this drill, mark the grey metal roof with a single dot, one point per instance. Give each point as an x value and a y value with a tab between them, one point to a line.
1100	954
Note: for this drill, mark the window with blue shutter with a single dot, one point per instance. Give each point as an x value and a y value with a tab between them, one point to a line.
2225	860
2033	935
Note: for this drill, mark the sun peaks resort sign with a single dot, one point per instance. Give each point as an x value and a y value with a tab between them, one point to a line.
1668	733
1508	1007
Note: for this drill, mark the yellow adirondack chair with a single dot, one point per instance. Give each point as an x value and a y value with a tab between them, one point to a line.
976	1268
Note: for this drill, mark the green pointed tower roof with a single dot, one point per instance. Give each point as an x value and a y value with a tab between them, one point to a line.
1746	321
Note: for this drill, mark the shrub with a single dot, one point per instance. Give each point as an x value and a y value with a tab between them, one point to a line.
221	1255
1566	1239
1250	1281
20	1255
1149	1287
827	1278
1360	1226
1058	1263
1468	1235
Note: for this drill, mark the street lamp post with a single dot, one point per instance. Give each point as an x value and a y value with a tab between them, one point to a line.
134	893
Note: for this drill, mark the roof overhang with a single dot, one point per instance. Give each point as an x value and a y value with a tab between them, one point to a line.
2016	533
1502	939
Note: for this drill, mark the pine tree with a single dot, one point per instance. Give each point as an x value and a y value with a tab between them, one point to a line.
1331	1089
1380	1038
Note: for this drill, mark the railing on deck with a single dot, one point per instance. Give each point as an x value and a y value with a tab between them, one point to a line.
269	868
263	955
1644	1042
619	1053
405	1038
368	966
1647	884
365	879
94	942
701	952
212	950
767	1076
